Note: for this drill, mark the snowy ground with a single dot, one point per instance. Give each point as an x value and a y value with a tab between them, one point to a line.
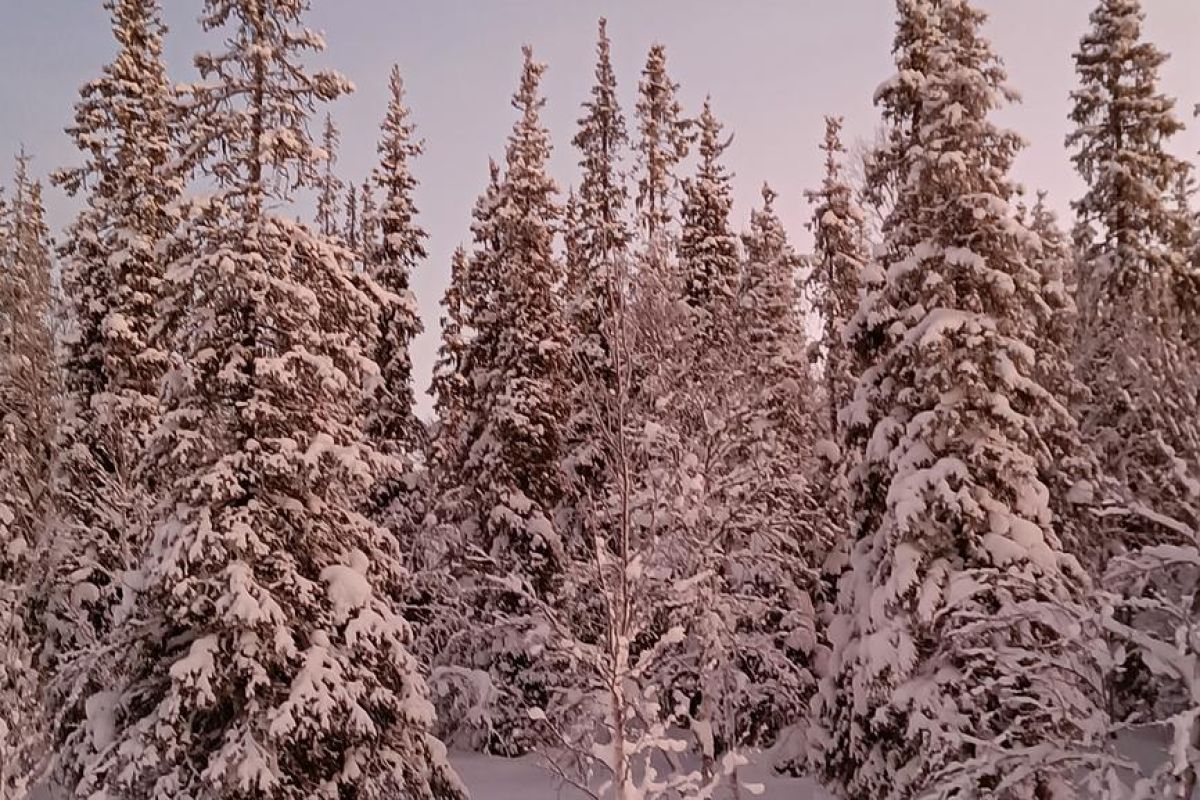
491	778
524	779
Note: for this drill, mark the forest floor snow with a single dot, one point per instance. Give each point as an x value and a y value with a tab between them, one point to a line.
492	778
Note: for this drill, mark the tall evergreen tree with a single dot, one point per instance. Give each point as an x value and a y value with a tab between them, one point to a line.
663	142
28	398
350	229
708	249
450	385
269	661
839	258
598	241
115	355
515	444
956	608
392	422
1142	415
368	222
329	185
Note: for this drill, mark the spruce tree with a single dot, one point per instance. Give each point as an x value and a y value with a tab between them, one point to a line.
839	257
28	403
1141	415
115	355
270	661
514	446
329	185
392	424
959	603
663	142
450	386
350	226
598	239
368	222
708	249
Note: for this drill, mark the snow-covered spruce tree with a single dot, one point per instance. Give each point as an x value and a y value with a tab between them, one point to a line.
837	263
1080	492
392	423
959	604
709	264
1157	584
515	448
28	402
115	354
773	532
467	352
459	656
350	227
663	142
1142	416
598	237
329	186
368	222
267	660
450	386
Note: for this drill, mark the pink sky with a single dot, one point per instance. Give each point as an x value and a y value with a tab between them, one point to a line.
773	67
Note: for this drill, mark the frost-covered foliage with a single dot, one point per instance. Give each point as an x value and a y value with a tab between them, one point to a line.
510	481
927	694
28	394
1133	354
598	240
839	257
329	186
393	425
265	656
708	254
663	142
114	354
1152	608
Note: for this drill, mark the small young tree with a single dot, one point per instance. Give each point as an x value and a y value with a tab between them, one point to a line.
329	185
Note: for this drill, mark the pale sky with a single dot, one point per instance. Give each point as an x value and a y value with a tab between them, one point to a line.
773	68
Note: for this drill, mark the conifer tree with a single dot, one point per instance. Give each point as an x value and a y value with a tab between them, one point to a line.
28	398
839	258
663	142
350	228
368	222
115	355
598	238
1141	415
708	249
392	424
329	185
270	662
450	386
523	402
959	603
514	447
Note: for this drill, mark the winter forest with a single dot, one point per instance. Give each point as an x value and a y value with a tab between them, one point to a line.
912	516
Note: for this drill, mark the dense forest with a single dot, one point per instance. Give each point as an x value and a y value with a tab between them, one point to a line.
916	514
